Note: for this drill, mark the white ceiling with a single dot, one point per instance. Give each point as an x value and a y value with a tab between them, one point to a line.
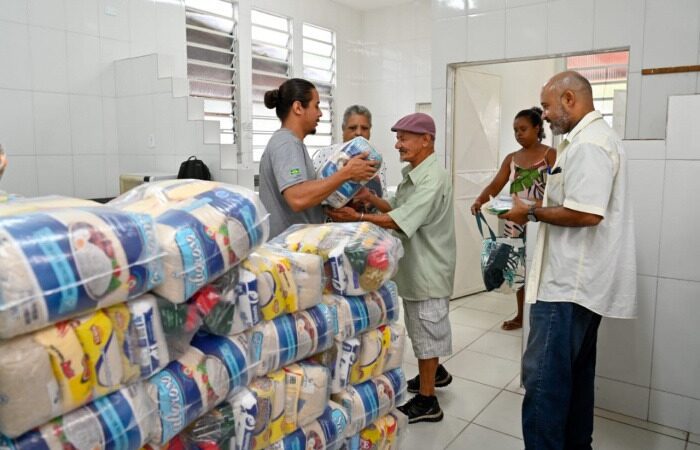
366	5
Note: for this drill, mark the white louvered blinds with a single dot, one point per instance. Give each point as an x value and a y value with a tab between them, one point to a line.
212	61
319	68
272	61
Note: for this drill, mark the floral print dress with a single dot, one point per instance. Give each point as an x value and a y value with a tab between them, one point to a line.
528	184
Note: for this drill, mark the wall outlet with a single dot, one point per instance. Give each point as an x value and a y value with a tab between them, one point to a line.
151	140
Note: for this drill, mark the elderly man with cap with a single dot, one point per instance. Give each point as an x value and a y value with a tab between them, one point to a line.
423	215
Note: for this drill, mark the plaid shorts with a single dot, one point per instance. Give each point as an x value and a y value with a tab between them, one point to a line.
428	326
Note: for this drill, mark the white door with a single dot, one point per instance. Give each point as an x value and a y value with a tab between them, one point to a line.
476	125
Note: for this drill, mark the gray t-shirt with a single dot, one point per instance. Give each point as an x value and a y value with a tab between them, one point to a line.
284	163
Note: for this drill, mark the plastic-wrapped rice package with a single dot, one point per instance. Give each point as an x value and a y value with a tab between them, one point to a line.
292	337
339	359
340	156
307	392
23	205
359	256
394	355
59	368
278	282
325	433
204	228
197	381
288	399
357	314
229	426
120	421
269	392
385	433
356	360
366	402
374	345
60	263
287	281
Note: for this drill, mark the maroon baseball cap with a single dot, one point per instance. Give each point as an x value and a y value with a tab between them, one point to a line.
418	123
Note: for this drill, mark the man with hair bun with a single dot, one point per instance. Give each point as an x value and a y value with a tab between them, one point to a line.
584	267
288	185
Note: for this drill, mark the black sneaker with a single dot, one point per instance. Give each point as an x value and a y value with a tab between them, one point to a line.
422	409
442	379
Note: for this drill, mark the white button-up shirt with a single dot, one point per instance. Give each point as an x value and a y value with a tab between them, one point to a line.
594	267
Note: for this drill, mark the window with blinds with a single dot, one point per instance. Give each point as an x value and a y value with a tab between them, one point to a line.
607	73
212	61
272	65
319	68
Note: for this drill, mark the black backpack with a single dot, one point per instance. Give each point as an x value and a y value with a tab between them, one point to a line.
194	168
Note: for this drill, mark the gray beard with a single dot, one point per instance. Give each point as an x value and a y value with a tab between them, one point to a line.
562	125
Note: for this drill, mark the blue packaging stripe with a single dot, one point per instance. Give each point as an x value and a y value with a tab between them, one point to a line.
202	258
31	440
295	440
149	272
396	378
127	229
321	316
237	206
141	325
359	313
287	338
353	442
329	424
44	242
389	294
179	399
370	400
230	354
118	422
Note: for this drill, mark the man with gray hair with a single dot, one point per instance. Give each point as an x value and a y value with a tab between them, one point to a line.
584	267
422	213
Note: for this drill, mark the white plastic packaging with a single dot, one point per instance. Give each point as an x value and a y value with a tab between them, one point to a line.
59	368
292	337
368	401
204	228
122	420
59	263
199	380
340	155
359	257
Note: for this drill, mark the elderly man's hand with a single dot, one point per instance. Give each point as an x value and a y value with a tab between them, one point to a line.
344	214
518	213
363	196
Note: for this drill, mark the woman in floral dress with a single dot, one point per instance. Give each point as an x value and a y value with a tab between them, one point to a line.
526	170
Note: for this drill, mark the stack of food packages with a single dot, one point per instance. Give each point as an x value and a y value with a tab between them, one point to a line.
323	341
96	347
364	360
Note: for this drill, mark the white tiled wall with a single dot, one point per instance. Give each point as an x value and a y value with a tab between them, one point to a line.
648	368
57	71
395	56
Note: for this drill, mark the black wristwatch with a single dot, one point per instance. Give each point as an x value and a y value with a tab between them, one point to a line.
531	217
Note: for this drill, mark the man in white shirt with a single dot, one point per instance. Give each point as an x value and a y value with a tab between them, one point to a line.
584	267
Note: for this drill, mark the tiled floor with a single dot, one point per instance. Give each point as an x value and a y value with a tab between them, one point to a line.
482	405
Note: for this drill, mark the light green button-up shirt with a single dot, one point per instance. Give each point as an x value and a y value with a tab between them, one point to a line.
423	209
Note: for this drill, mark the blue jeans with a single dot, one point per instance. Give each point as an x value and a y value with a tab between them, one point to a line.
558	375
